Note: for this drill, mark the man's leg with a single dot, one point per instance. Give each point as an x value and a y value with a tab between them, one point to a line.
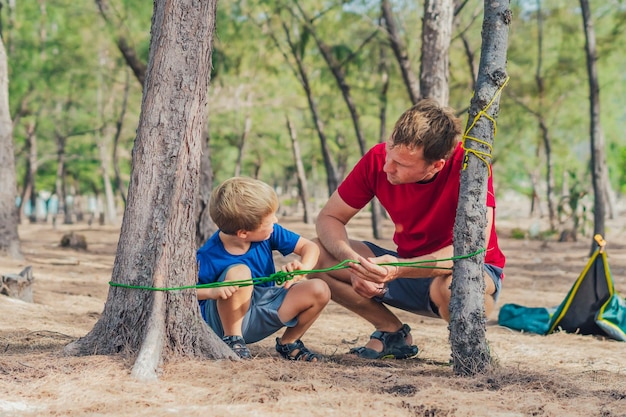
440	294
342	293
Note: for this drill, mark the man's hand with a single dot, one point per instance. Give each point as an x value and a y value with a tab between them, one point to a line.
367	289
369	269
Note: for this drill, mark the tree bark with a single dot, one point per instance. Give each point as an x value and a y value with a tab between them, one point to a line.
599	174
205	225
436	35
399	50
9	238
303	189
470	350
156	246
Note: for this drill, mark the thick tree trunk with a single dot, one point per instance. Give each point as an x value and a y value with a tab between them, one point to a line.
436	35
470	350
599	174
9	238
156	246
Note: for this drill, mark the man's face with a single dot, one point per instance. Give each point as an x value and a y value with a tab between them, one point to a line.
404	165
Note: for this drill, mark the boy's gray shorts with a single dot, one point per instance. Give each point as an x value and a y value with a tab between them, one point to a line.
260	321
413	295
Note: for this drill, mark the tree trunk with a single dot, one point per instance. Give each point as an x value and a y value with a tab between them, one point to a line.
128	52
410	80
599	174
332	178
470	350
156	246
545	134
121	189
205	225
436	35
303	189
9	238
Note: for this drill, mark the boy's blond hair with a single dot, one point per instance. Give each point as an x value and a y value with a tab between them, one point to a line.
241	203
431	126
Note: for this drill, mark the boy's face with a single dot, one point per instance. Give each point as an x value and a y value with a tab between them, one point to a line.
265	229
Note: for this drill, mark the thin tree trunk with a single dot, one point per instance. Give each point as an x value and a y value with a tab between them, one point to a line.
411	81
205	225
299	71
599	174
303	189
470	350
119	184
156	246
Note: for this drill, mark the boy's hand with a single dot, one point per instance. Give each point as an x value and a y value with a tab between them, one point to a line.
223	293
290	267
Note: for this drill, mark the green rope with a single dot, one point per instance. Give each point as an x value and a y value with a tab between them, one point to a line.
281	277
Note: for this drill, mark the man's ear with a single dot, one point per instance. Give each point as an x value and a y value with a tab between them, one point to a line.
439	164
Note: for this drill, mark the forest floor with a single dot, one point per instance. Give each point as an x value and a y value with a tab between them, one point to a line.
556	375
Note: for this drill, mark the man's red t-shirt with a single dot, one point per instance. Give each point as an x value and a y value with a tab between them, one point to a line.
424	213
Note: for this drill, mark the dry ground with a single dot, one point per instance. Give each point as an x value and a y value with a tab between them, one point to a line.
556	375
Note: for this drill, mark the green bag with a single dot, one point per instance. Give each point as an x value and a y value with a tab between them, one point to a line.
591	307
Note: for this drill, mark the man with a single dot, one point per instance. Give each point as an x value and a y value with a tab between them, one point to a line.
415	175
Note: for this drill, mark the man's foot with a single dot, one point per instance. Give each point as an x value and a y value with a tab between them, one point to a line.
238	345
394	346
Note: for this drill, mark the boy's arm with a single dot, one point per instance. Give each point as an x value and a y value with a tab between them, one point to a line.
308	251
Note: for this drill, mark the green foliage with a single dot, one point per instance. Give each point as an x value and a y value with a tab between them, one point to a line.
68	78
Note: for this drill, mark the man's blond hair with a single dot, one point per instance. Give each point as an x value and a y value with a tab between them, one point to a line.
431	126
241	203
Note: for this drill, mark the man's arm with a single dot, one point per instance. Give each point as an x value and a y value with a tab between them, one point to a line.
369	269
331	227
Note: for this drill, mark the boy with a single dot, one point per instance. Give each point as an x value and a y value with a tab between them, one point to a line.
244	210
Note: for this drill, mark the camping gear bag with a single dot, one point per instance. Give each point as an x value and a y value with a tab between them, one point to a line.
592	307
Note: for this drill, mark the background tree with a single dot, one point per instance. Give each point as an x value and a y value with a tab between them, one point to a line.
157	241
470	351
599	175
9	238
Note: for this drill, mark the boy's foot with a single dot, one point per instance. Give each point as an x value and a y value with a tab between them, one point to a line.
296	351
394	346
238	345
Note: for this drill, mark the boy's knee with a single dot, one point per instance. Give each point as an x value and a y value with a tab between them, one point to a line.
238	272
320	290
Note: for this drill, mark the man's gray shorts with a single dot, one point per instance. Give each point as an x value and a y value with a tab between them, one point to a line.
413	295
260	321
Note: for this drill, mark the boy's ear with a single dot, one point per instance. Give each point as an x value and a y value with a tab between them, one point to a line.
242	234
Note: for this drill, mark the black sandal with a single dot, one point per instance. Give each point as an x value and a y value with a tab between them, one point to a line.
302	353
238	345
394	346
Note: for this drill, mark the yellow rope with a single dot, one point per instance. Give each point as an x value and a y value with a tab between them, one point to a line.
480	154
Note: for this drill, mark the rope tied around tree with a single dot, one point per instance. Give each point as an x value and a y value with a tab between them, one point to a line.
280	277
480	154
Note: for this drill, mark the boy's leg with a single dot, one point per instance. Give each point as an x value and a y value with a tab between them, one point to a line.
304	301
233	309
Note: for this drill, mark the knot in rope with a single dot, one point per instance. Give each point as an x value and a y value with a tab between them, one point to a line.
280	277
